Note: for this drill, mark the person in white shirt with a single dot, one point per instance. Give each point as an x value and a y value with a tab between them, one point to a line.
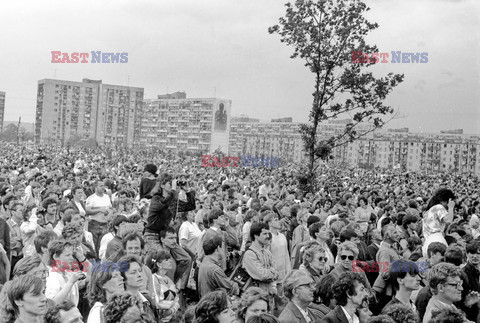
98	208
63	282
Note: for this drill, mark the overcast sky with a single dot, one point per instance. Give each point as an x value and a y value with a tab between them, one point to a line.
222	48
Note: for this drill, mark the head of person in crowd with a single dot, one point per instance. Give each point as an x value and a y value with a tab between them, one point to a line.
260	233
41	242
441	196
99	186
256	205
347	253
349	234
445	282
409	222
212	246
168	238
159	261
131	270
390	234
401	313
363	312
448	315
381	319
216	218
324	292
17	212
263	318
473	253
215	307
31	265
118	305
65	312
133	244
251	216
299	288
105	281
337	227
436	252
50	206
26	295
78	193
454	255
117	221
350	290
150	170
273	221
61	254
314	258
73	232
253	302
404	275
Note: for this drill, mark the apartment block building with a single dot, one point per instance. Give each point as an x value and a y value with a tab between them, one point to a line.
73	111
196	125
2	110
266	139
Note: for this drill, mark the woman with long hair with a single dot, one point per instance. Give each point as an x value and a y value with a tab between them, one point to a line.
440	213
215	308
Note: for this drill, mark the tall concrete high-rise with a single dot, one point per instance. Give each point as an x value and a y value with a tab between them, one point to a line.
89	110
2	109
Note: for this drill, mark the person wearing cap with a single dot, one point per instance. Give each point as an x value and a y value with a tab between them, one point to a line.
299	288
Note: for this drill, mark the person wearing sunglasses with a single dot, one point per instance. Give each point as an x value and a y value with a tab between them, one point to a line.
299	288
347	254
314	261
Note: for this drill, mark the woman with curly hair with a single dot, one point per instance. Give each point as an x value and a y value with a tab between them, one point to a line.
314	261
118	305
214	307
105	281
401	313
253	302
437	217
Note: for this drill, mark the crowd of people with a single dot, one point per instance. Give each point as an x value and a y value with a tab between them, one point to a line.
92	235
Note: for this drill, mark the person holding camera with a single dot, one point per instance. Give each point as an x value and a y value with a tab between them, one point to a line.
65	278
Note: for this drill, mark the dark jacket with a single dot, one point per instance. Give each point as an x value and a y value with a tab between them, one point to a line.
163	209
470	283
335	316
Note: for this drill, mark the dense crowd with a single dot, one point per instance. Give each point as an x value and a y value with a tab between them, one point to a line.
92	235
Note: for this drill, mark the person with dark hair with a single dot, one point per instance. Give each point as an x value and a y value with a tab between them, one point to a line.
164	290
211	276
363	312
131	271
404	279
27	300
115	247
106	280
133	244
31	265
401	313
440	212
323	300
214	307
216	220
349	292
182	260
147	183
41	245
65	312
298	288
471	285
47	214
64	281
119	304
258	261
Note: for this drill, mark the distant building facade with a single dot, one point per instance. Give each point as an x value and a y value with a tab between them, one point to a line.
88	110
2	109
196	125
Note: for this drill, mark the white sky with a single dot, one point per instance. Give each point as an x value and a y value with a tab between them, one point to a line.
199	45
